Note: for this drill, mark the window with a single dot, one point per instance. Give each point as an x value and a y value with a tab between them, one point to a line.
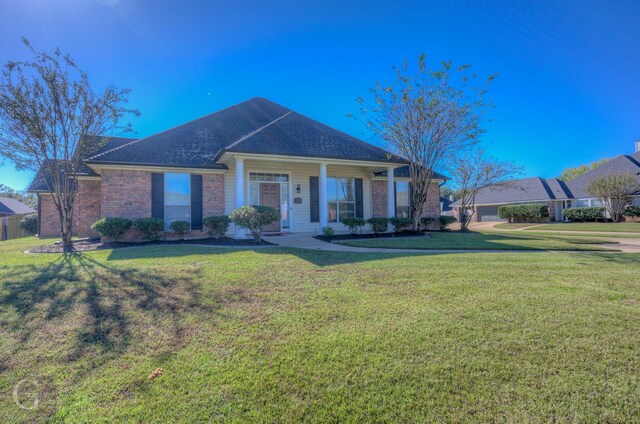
341	198
403	209
177	198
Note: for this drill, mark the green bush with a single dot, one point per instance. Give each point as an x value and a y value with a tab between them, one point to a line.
149	228
525	212
253	218
217	226
180	228
354	223
584	214
378	225
400	224
111	227
445	221
327	232
29	223
425	221
632	212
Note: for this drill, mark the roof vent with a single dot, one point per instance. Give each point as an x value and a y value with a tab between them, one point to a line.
637	146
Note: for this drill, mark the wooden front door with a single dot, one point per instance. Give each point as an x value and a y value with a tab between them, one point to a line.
270	196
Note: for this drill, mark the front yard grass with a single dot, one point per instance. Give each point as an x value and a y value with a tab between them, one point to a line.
507	226
619	227
490	240
283	335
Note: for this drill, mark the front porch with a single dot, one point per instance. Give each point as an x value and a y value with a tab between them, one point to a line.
310	194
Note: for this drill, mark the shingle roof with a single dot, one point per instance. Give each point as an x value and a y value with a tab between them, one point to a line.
403	172
523	190
538	189
9	206
624	164
39	182
254	126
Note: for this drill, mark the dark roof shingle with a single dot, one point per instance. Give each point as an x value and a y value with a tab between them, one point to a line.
254	126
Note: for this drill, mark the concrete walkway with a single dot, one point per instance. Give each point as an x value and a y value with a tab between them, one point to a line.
307	241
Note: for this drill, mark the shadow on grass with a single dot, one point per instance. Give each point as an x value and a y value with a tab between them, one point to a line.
90	309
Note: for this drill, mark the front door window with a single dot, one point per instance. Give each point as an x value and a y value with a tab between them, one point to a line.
278	200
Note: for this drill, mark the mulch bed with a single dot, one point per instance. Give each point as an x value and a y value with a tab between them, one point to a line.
373	235
95	244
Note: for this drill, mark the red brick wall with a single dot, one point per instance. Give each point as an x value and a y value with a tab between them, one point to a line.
212	195
126	193
48	217
122	194
86	207
379	199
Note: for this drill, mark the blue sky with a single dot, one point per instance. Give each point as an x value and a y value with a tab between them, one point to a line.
568	91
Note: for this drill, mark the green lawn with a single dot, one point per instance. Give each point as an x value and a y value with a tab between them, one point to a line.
492	240
620	227
507	226
276	335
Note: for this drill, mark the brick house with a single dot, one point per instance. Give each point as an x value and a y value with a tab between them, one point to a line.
256	152
557	194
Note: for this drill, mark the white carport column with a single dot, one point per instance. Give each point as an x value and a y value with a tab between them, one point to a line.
322	194
240	233
391	194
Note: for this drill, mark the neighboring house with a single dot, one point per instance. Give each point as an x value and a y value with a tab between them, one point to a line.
11	212
557	194
445	205
256	152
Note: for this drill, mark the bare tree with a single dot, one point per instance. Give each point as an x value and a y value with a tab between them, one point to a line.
48	111
473	171
425	118
614	192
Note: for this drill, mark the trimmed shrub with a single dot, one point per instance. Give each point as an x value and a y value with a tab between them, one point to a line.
378	225
354	223
111	227
584	214
29	223
425	221
180	228
445	221
632	212
149	228
253	218
400	224
217	226
525	212
327	232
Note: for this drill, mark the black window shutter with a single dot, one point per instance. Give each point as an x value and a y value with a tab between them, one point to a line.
314	202
359	199
196	202
157	195
395	199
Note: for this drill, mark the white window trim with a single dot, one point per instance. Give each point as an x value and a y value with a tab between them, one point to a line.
337	221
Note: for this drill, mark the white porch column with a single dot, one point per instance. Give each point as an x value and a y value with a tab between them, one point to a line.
322	194
391	195
240	233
